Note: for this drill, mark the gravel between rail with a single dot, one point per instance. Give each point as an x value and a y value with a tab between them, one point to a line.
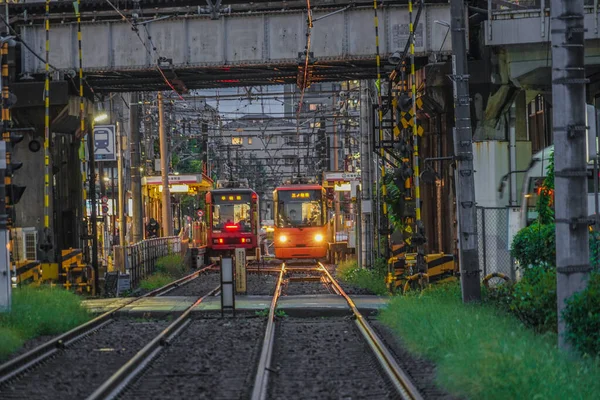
211	359
76	372
199	286
324	358
261	284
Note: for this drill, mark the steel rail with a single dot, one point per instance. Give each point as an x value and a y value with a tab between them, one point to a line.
261	383
17	365
178	283
401	382
114	385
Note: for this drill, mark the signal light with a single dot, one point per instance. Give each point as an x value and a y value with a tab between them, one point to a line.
318	238
221	241
15	192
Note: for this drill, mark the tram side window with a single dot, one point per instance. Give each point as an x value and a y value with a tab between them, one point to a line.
234	215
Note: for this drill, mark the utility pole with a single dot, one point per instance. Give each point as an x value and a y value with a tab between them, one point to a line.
94	208
137	226
167	214
121	203
365	173
463	152
5	275
569	126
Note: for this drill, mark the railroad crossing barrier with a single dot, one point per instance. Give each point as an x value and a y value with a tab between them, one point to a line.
139	259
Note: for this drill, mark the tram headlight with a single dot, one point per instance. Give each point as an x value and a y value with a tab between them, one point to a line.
283	238
318	238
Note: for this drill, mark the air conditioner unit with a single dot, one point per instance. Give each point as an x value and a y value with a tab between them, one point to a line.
24	244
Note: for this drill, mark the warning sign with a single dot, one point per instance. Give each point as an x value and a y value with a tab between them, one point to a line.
240	270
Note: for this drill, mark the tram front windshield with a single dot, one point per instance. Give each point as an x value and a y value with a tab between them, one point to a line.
299	208
231	212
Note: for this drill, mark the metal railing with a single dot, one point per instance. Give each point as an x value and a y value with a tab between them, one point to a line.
518	6
139	259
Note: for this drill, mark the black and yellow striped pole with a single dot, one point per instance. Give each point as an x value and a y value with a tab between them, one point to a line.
5	175
418	237
47	125
384	193
77	6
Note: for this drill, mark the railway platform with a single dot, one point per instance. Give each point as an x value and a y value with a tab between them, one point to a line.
303	305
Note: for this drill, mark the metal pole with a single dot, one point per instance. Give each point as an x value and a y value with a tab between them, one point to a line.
512	156
92	194
365	163
167	213
5	276
137	225
120	152
463	151
569	126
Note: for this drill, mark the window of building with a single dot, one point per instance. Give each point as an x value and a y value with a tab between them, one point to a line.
237	140
249	140
272	140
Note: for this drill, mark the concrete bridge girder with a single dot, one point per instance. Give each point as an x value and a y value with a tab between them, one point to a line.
271	39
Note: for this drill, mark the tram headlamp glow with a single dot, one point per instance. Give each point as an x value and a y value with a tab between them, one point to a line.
13	279
318	237
283	238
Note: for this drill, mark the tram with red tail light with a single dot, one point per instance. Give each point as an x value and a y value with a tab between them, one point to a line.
233	221
302	229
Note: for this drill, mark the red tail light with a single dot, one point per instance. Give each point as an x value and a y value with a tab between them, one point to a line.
232	227
221	241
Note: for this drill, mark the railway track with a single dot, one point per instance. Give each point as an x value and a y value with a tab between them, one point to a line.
218	358
67	358
302	358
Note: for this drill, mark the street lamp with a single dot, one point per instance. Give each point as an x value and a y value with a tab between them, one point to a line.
101	117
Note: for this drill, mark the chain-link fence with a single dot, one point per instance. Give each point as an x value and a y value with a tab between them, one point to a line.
494	246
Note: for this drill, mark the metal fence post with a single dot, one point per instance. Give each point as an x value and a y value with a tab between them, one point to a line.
483	237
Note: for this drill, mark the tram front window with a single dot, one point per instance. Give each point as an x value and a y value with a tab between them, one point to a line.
299	209
232	212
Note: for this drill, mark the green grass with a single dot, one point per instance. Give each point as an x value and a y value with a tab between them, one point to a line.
370	279
168	269
482	353
156	281
37	312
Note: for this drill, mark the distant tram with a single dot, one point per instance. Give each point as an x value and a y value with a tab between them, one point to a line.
301	228
233	221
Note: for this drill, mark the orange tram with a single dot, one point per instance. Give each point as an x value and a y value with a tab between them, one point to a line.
301	227
233	222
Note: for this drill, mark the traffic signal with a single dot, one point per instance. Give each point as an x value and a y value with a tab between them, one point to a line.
404	102
13	192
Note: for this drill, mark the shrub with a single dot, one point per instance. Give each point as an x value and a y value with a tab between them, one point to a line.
535	245
532	300
172	265
582	316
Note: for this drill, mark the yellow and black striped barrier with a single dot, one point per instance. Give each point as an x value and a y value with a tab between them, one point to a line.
440	268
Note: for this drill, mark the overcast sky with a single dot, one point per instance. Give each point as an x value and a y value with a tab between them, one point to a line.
236	107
